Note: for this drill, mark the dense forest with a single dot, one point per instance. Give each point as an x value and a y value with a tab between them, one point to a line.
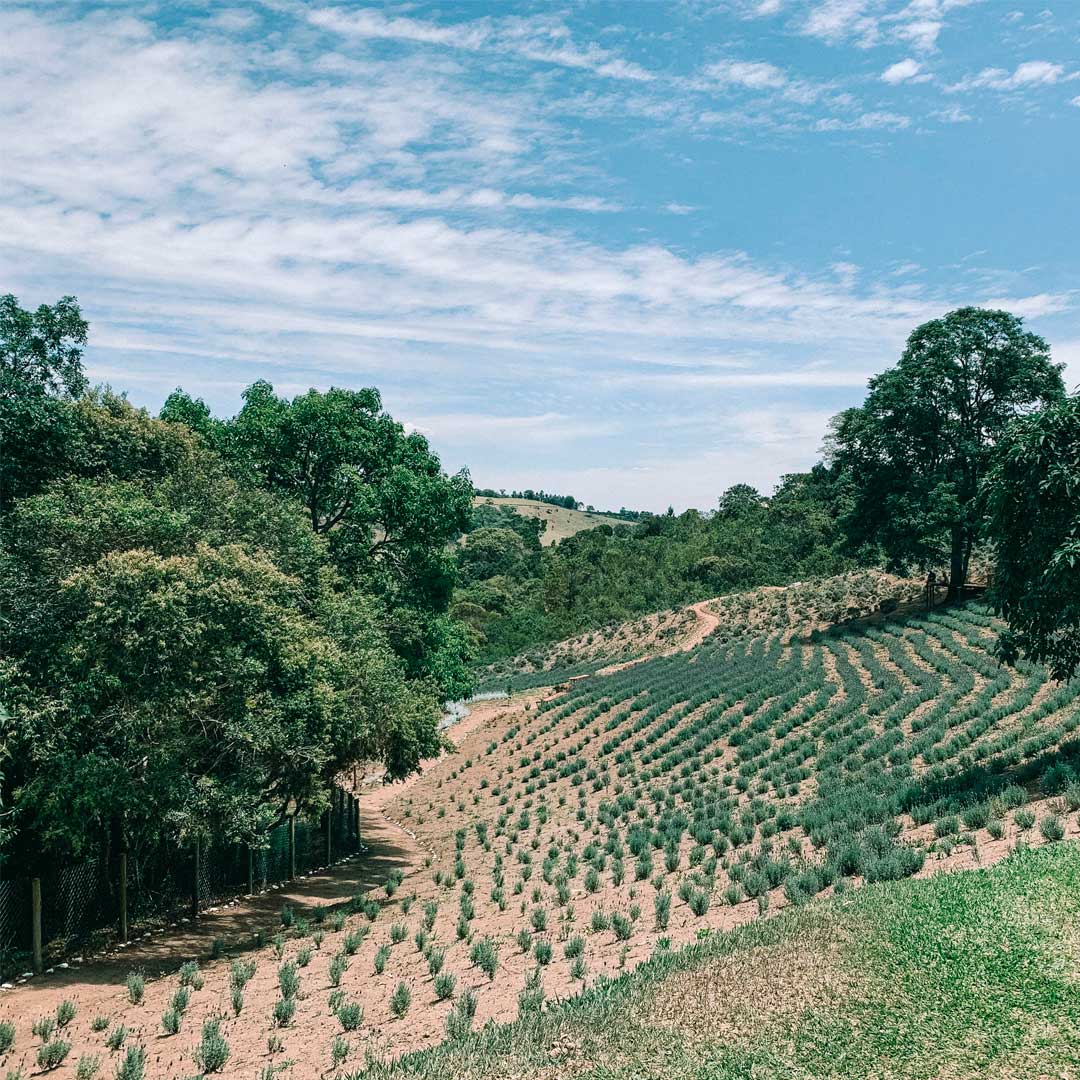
204	621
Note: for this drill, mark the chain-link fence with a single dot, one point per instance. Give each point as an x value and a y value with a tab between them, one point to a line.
80	903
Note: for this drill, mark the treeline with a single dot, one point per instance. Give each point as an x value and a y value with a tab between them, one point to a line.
513	594
567	502
203	621
969	444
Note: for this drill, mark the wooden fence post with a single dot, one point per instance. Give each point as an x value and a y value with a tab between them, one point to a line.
35	923
329	828
123	896
195	879
292	846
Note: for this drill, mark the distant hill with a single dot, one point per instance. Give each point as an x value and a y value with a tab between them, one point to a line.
561	522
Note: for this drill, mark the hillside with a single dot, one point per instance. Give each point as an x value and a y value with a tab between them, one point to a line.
574	834
963	975
561	522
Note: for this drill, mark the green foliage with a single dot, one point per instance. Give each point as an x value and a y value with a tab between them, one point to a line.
136	987
1034	522
400	1000
133	1067
52	1054
213	1051
917	450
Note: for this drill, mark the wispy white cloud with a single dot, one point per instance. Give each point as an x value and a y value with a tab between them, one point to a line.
1031	73
538	39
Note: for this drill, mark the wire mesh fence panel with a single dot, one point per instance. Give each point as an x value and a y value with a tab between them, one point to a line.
15	930
159	883
77	902
81	901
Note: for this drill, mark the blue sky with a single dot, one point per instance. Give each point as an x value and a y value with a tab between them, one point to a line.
634	252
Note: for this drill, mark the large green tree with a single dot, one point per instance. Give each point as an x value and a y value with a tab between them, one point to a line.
1033	519
179	652
917	450
379	496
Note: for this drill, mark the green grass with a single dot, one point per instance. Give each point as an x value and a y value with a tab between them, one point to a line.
967	974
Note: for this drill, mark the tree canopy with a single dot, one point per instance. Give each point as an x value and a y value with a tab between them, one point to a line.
203	621
1033	518
918	448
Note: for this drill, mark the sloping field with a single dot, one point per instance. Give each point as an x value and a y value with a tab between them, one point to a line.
561	522
574	834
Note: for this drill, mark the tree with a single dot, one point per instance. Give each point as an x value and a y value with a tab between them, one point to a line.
41	351
918	448
1033	518
189	660
377	494
40	363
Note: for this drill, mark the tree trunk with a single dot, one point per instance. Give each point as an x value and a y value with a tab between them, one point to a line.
957	567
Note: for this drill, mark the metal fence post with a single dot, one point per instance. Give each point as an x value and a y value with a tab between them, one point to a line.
251	871
292	846
359	835
35	923
123	896
195	879
329	827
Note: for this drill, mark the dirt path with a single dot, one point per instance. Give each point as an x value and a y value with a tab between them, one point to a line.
706	623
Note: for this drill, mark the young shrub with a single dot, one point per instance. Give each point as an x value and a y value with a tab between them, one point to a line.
289	980
65	1013
284	1011
578	968
542	952
350	1015
52	1054
699	902
212	1051
662	909
1052	828
353	940
398	933
622	926
996	828
484	955
44	1027
599	922
382	954
435	960
1025	819
444	985
217	948
339	963
7	1036
337	921
133	1066
170	1021
400	1000
288	916
574	947
339	1051
539	920
87	1067
99	1023
304	955
524	939
136	987
115	1039
236	1000
190	977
